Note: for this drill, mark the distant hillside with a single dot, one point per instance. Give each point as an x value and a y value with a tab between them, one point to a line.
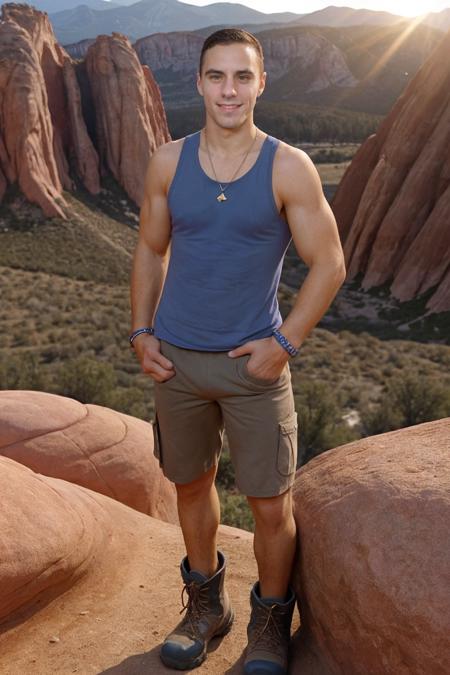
51	6
347	16
439	20
294	123
382	59
150	16
362	68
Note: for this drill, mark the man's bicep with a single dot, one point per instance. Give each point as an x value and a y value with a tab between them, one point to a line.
310	218
154	219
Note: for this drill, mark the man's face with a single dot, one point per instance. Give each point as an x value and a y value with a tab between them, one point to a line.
230	83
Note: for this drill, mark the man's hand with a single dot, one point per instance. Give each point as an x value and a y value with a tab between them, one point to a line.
268	357
153	363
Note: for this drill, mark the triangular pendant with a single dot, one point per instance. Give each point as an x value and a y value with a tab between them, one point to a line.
221	198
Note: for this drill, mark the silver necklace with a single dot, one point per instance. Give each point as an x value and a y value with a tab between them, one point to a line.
221	197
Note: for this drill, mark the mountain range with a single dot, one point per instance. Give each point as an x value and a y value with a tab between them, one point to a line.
354	68
73	22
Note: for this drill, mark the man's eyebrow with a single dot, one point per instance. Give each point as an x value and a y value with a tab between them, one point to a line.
246	71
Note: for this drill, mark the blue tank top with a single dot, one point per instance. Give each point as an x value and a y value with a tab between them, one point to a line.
226	257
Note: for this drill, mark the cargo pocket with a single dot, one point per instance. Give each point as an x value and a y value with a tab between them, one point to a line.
287	445
157	440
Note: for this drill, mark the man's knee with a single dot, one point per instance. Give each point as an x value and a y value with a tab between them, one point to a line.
198	487
272	512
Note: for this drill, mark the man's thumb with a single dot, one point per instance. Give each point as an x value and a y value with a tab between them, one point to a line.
238	351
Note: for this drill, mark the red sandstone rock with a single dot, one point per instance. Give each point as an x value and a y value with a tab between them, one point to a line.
101	449
394	199
27	134
50	534
88	584
126	101
374	560
84	570
43	136
322	63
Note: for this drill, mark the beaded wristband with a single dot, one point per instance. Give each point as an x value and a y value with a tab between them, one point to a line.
284	342
137	332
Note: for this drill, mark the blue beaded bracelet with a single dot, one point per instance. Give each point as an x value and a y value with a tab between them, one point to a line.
137	332
284	342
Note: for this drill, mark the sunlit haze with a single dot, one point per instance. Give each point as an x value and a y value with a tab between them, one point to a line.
402	7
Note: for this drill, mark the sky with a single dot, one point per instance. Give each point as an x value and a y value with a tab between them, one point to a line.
402	7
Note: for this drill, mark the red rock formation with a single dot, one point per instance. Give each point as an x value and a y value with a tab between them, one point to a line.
51	532
101	449
393	203
372	574
88	584
177	50
27	154
43	135
130	119
78	568
322	63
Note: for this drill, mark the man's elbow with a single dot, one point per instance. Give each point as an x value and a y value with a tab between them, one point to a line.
342	270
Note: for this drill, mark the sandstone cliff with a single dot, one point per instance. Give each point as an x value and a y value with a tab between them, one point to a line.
393	203
311	61
44	139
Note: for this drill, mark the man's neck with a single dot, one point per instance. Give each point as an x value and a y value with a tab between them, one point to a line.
229	142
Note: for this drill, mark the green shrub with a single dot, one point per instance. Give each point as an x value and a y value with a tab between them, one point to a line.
22	372
320	423
87	380
235	510
407	400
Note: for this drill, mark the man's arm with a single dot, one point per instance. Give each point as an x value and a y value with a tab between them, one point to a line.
150	262
316	239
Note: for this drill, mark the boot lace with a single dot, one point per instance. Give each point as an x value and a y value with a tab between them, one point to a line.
267	634
196	605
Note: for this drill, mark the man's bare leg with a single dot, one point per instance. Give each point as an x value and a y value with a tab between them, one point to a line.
274	542
209	611
199	512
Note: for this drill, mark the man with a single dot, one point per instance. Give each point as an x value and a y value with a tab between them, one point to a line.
220	209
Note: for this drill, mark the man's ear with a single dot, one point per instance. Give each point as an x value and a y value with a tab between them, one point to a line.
262	83
199	85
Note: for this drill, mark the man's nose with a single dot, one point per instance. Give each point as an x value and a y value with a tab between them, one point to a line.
229	88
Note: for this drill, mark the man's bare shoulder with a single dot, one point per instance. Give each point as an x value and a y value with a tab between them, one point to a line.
169	151
163	162
295	173
288	158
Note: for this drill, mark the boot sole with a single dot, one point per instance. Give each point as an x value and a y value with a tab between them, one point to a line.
201	657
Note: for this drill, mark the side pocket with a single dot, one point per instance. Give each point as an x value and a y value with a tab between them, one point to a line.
287	445
157	440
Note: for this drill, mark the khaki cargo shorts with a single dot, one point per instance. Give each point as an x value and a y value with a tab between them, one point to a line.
210	392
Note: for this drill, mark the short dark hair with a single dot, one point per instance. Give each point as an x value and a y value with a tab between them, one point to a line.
227	36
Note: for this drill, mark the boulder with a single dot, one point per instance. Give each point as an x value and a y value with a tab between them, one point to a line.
372	576
89	585
93	446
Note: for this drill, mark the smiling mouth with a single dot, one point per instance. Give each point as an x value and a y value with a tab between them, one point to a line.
229	106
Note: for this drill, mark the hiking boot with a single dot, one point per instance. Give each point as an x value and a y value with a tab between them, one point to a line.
208	614
269	634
